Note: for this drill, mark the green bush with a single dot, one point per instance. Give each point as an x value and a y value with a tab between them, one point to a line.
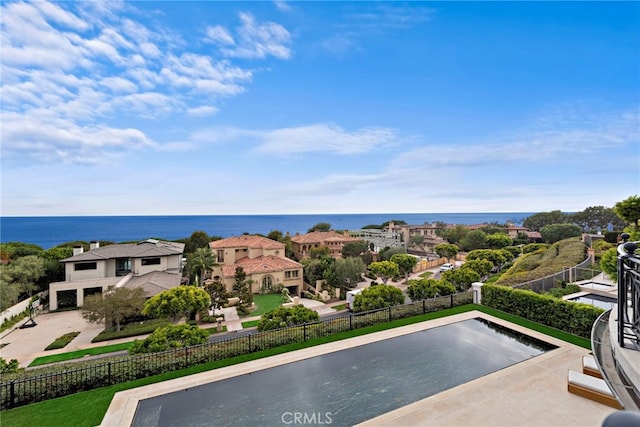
131	330
563	290
287	316
567	316
170	336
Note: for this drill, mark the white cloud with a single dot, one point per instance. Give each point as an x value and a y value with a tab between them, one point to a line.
324	137
202	111
253	39
282	5
219	34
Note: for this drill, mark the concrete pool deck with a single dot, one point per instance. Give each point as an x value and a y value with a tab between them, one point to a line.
531	393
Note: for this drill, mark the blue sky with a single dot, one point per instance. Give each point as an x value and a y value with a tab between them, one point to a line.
154	108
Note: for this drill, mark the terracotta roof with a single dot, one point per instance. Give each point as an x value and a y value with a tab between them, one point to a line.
249	241
143	249
322	236
261	264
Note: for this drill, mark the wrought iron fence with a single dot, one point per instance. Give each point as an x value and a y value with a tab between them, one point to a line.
628	294
34	387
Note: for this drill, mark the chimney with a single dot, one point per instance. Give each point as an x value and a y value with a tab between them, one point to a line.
77	250
94	245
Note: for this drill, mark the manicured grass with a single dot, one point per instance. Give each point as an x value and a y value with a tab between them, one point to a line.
266	302
62	341
250	323
340	307
88	408
131	330
426	274
62	357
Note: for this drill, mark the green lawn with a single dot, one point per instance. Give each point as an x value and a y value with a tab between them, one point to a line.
250	323
87	409
426	274
265	303
62	357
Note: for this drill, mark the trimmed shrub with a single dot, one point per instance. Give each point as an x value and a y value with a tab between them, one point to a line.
571	317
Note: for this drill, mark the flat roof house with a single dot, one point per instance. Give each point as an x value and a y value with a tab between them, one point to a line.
262	259
153	265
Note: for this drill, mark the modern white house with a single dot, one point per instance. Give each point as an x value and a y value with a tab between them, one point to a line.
153	265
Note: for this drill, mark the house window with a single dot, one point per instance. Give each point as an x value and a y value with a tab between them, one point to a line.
291	274
151	261
123	266
78	266
220	257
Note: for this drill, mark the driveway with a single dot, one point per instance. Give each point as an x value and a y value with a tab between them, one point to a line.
26	344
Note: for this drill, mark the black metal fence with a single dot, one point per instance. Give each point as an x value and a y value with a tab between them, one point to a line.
31	387
628	295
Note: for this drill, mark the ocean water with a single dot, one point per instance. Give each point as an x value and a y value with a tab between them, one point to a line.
48	232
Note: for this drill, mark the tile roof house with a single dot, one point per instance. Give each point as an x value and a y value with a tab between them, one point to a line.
262	259
153	265
301	244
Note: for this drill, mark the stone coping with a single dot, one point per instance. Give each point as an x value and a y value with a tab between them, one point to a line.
122	409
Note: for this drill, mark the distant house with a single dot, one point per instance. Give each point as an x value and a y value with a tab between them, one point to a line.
263	260
153	265
301	244
430	238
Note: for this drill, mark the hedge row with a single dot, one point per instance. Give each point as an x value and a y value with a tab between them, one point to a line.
574	318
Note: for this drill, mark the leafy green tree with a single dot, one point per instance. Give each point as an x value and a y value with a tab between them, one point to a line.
629	211
453	235
200	262
555	232
539	220
474	239
348	272
114	305
16	250
597	218
25	272
217	292
481	266
494	228
428	288
609	263
314	269
10	367
276	235
499	241
198	240
447	250
242	289
384	269
495	256
461	278
177	302
321	226
170	336
9	293
405	263
282	317
379	296
417	240
354	249
319	252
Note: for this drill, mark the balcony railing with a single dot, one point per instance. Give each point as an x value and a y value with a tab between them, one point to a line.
628	295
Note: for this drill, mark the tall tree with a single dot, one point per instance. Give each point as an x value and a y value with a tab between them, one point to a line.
461	278
536	221
405	263
597	218
474	239
354	249
242	288
200	262
217	292
25	272
114	305
556	232
629	210
348	272
198	239
499	241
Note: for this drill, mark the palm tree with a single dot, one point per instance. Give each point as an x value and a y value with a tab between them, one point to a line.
200	262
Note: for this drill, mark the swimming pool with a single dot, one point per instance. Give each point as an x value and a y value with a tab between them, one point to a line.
348	386
601	301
